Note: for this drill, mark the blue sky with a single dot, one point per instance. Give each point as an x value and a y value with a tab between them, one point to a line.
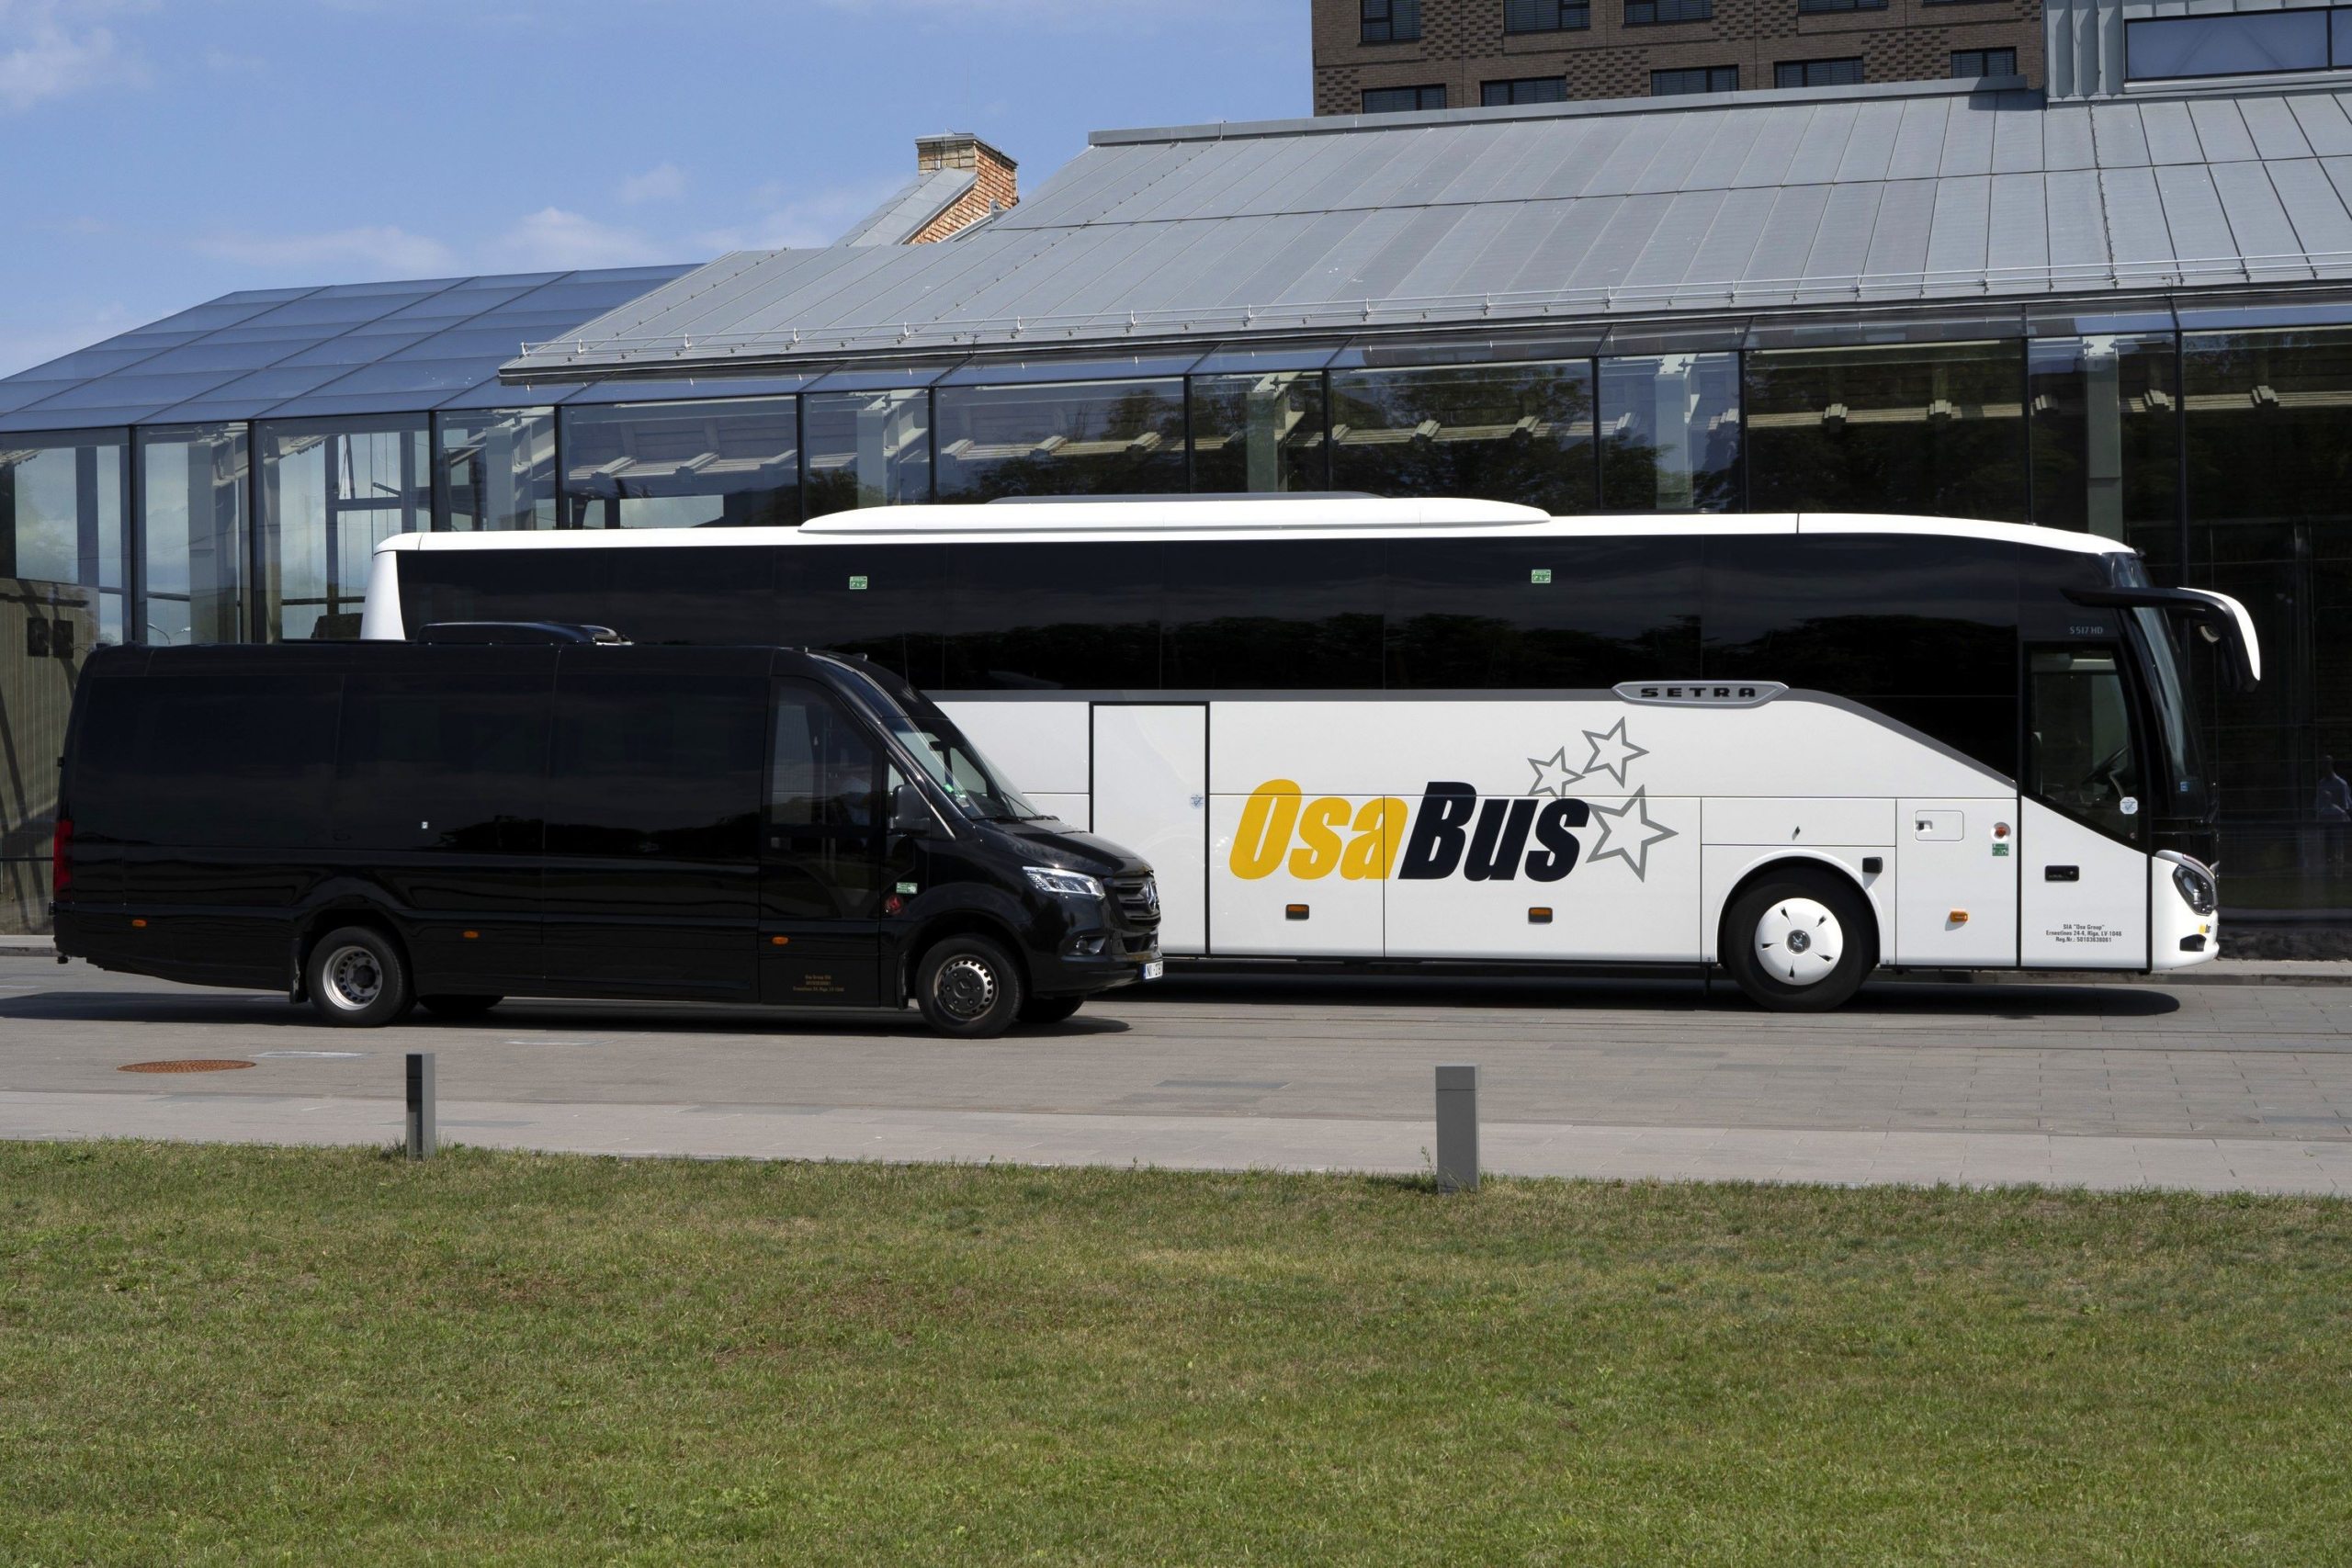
154	153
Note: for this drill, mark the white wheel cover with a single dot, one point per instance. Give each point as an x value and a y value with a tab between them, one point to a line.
1799	941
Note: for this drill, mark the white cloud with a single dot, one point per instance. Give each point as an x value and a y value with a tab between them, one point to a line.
663	182
790	222
48	51
553	238
381	252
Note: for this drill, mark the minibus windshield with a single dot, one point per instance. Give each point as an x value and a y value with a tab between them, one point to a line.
953	763
2187	792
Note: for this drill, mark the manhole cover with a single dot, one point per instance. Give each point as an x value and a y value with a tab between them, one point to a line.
199	1065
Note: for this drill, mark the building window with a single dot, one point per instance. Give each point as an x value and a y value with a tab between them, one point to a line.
1403	100
1546	16
867	449
192	483
2244	44
1670	432
1260	433
1525	90
729	461
1520	432
62	525
330	491
1648	13
497	471
1817	72
1983	62
1074	438
1810	7
1699	79
1392	21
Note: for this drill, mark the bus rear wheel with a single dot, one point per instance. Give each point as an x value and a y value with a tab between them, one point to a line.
1800	941
358	978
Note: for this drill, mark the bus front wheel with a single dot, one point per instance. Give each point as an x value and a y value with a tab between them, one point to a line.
1800	941
970	988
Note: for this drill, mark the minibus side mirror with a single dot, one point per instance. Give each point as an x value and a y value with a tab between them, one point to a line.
910	813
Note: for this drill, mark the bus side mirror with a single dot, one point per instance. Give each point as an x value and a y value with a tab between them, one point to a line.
910	813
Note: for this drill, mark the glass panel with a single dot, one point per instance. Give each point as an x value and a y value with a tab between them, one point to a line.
731	462
1672	432
2339	25
1295	614
62	526
2079	752
1075	617
1258	433
453	759
2243	44
1091	438
1518	432
826	785
1523	90
1931	429
652	767
1546	16
1547	615
1640	13
192	499
1699	79
498	470
1818	72
330	493
867	449
2107	441
2271	522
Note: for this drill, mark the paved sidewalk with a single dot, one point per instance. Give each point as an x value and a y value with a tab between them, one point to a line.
1213	1142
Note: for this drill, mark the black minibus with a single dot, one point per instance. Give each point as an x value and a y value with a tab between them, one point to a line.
546	811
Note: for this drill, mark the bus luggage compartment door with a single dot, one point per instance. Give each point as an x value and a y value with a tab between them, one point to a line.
1956	884
1151	786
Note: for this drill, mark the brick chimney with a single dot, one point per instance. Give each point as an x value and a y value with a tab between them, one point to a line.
998	185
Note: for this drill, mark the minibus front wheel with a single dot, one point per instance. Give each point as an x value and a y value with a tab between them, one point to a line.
969	986
358	978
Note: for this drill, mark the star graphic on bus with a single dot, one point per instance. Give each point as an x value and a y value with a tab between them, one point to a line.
1553	775
1638	834
1611	752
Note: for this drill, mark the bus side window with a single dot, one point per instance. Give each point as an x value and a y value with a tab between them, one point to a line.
2080	753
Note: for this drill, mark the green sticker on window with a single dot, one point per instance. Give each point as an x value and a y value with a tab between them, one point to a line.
858	585
1542	574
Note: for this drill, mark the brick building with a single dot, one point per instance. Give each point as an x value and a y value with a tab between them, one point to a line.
1374	56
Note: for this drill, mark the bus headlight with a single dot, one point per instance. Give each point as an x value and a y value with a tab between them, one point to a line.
1064	883
2196	885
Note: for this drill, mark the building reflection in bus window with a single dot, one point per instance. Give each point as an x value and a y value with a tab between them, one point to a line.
867	449
1518	432
733	462
1559	614
1669	429
1260	433
1277	614
1071	438
1933	429
1045	616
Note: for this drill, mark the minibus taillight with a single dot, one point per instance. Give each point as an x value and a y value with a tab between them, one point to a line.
60	859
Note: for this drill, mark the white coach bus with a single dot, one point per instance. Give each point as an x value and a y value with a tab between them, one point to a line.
1801	747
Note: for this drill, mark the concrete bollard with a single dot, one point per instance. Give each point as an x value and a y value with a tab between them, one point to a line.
1457	1129
424	1138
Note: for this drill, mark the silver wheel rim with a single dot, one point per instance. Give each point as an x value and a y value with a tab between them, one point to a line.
964	988
353	978
1799	941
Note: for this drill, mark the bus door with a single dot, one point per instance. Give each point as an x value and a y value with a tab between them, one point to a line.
822	866
1151	793
2083	845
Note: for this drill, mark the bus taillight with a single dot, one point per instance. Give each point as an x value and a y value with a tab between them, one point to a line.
60	859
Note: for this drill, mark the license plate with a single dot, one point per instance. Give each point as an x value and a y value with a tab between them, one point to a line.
1154	970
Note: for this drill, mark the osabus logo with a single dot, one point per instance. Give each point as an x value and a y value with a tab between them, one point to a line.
1453	831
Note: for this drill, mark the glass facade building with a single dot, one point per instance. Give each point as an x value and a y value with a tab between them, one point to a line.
2210	435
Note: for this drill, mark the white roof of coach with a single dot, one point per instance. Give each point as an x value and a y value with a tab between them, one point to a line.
1053	520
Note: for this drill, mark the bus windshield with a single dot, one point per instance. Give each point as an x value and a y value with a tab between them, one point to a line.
953	763
2187	792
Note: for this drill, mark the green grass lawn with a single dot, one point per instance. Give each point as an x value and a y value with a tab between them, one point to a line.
216	1356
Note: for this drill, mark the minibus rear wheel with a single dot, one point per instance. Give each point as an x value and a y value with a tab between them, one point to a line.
1800	941
970	988
358	978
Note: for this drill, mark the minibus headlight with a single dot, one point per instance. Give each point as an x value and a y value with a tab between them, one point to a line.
2196	885
1064	883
